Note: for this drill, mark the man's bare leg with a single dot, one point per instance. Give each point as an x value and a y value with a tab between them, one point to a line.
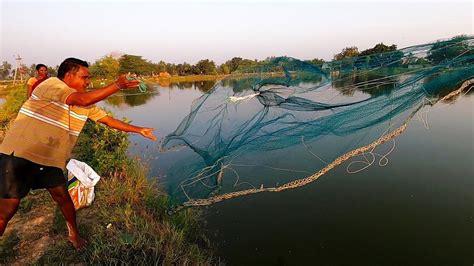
61	196
8	208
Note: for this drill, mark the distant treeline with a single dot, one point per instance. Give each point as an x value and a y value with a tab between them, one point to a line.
349	58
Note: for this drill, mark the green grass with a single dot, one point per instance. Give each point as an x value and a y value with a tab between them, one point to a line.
128	224
7	247
26	205
13	102
135	226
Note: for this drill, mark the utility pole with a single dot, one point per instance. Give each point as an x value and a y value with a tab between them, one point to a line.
18	69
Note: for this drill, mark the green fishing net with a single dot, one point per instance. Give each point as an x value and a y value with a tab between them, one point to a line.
286	120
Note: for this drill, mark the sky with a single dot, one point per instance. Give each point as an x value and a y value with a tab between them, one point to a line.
187	31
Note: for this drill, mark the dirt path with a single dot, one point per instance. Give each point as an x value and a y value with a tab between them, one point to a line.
30	233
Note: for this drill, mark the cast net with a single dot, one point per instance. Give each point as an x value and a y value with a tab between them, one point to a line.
285	123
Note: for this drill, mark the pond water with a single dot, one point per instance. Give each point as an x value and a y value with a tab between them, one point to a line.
415	210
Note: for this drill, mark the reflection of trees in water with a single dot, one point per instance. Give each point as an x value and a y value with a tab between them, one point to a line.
344	84
306	78
137	100
441	84
374	84
205	85
115	100
371	83
249	83
183	85
133	97
239	85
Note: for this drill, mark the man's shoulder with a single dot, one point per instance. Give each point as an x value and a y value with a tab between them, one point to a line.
53	81
52	89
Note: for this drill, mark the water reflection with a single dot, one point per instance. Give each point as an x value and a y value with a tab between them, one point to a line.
372	83
205	85
368	82
135	98
346	84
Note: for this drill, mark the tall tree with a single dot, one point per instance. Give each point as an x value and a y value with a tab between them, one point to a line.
5	69
206	67
444	51
135	64
380	55
53	71
32	70
171	69
248	66
184	69
160	67
106	67
316	61
379	48
347	52
224	69
234	63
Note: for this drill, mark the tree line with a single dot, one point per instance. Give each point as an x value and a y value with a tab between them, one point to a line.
349	58
382	55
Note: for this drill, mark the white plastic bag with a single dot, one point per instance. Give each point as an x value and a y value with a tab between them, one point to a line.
81	181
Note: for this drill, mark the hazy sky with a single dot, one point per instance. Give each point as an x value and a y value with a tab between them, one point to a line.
187	31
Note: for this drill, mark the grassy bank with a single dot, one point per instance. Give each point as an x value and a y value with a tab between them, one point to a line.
127	222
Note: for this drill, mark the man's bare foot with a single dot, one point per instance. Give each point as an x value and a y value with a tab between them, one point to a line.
78	242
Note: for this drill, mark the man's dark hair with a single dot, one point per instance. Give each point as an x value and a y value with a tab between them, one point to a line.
38	66
70	65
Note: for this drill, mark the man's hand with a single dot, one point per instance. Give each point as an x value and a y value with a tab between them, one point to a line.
123	83
117	124
147	133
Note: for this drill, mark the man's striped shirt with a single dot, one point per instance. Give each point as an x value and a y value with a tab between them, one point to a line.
46	128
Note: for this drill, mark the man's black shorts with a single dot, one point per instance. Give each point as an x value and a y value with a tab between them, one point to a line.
18	176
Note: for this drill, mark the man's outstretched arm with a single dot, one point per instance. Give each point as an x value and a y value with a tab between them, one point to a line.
119	125
92	97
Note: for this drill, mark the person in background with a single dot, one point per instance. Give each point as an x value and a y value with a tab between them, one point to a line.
41	75
37	145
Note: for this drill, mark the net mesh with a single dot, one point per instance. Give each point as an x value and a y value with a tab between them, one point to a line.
287	122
